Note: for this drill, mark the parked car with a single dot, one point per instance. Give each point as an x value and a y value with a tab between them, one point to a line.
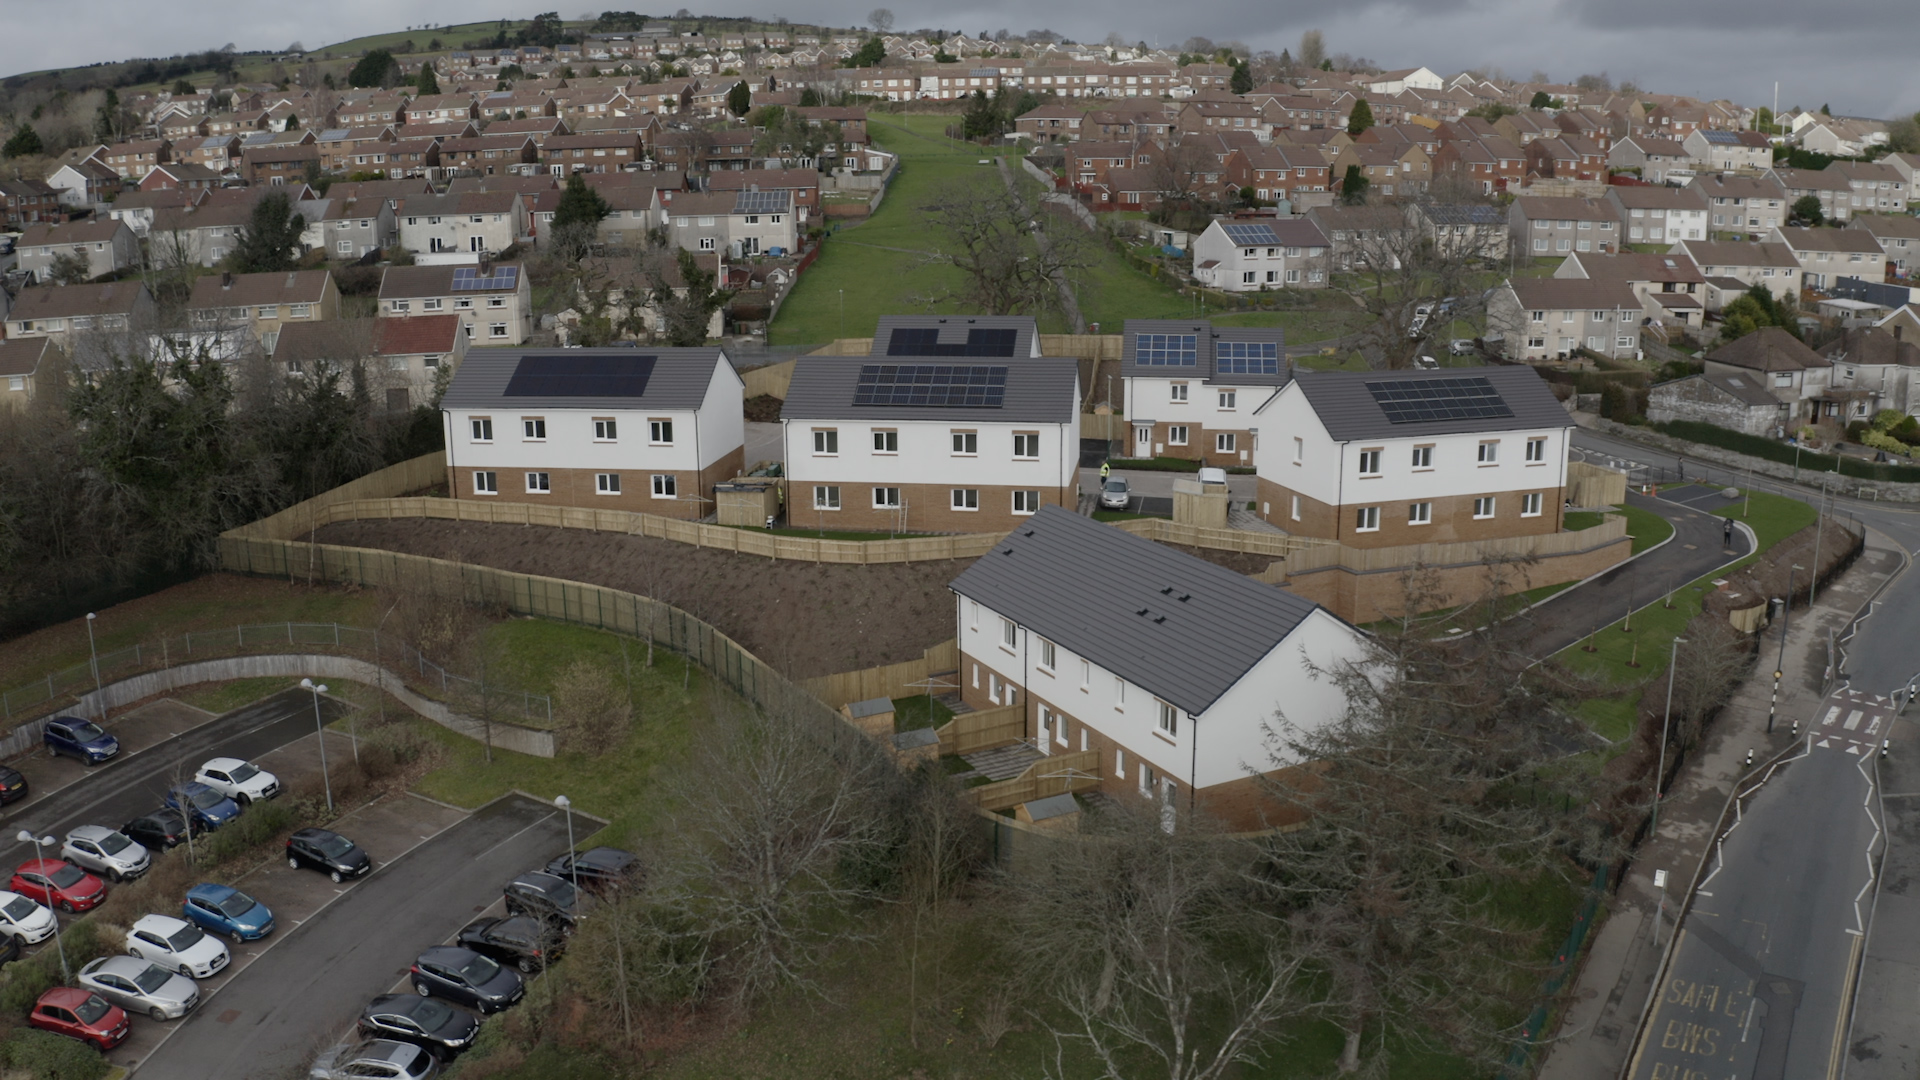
10	948
375	1059
597	868
80	1014
13	786
107	852
77	738
202	803
1426	363
524	941
329	852
422	1021
242	781
464	976
1461	346
1114	494
177	944
58	883
24	921
223	909
544	896
141	986
162	830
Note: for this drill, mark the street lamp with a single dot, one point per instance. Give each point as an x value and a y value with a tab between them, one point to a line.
1779	663
321	734
573	857
1673	662
93	662
25	837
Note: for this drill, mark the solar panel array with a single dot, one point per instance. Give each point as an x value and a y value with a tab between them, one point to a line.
949	386
759	202
1413	401
925	341
1721	137
1250	234
581	376
468	279
1246	358
1165	350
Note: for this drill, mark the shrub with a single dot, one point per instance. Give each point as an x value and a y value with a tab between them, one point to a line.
263	824
47	1056
1878	441
25	981
591	713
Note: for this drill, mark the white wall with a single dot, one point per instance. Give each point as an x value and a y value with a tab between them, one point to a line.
926	455
569	444
1293	682
722	423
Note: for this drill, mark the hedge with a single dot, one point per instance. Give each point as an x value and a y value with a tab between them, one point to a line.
46	1056
1761	447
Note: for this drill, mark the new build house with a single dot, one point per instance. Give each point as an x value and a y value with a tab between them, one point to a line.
1167	668
626	429
951	425
1192	387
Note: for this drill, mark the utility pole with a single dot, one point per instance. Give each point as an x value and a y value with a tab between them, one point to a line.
1666	722
1780	661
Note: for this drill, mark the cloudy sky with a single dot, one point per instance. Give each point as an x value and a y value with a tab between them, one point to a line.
1860	56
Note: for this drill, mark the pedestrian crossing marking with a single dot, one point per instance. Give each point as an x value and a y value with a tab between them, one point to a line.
1853	719
1832	715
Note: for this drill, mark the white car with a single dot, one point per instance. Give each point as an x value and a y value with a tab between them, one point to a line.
177	944
24	920
105	851
242	781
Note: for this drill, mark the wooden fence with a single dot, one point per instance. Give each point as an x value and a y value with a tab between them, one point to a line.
983	730
1593	485
1056	775
1278	545
771	381
1088	346
412	475
1465	553
888	680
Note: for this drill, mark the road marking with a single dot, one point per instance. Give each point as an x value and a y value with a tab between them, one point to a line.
1840	1018
1852	931
1832	715
1853	719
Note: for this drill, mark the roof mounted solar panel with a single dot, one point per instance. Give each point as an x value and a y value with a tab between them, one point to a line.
469	279
933	386
1250	234
759	202
925	341
1166	350
581	376
1414	401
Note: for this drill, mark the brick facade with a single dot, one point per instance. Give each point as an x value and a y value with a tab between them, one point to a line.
928	508
578	487
1201	444
1452	521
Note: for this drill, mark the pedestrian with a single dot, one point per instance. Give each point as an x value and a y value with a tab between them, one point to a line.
1106	470
1727	534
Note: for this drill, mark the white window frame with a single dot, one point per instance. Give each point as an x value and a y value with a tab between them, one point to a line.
539	483
1489	452
965	500
1370	461
1420	513
1536	452
666	486
1366	519
486	482
1530	504
1483	507
826	442
606	429
533	429
886	440
826	496
481	428
606	483
659	432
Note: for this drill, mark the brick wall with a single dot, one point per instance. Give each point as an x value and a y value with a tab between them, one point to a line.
578	487
1365	597
929	509
1453	519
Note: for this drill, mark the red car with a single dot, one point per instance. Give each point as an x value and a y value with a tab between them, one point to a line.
58	882
78	1014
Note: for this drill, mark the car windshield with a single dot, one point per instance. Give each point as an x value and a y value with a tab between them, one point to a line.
418	1066
67	876
19	909
334	846
236	905
152	979
86	731
1116	485
561	894
431	1015
92	1009
206	798
185	938
479	970
243	772
113	843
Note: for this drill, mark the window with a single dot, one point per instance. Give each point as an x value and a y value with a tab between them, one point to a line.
1026	502
1530	505
886	498
401	305
1423	457
606	483
1369	463
826	440
497	330
1299	450
1119	694
1623	342
1026	444
539	483
1223	443
1296	508
886	442
1420	513
1536	451
706	243
1483	506
1227	398
1783	379
1247	277
1177	434
966	442
1169	720
486	482
430	304
1177	393
1537	316
534	428
1366	519
826	496
482	428
966	498
1048	654
1489	453
345	246
464	303
660	432
605	429
1009	634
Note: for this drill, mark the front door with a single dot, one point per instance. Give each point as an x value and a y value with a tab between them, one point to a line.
1046	730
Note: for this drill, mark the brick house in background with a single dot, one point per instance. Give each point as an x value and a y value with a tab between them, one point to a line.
26	202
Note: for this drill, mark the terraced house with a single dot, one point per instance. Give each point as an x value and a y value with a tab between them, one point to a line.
494	302
1192	387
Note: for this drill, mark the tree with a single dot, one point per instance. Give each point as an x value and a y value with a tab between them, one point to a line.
24	142
577	217
69	268
686	313
881	19
1242	81
1361	118
1011	260
377	68
809	98
1353	186
183	87
426	82
1903	135
1807	209
740	98
1492	110
1540	100
591	713
1825	110
271	240
1594	84
1313	49
870	54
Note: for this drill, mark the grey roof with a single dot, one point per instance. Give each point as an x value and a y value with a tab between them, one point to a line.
918	737
870	707
1207	340
955	328
1346	406
1052	806
679	379
1038	390
1083	585
1743	388
1465	214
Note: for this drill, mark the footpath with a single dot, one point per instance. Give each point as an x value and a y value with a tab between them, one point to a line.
1597	1030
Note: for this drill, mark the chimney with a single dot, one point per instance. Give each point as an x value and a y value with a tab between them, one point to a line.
486	266
226	280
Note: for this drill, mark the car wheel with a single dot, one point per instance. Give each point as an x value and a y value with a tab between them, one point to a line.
526	965
157	1013
242	801
186	971
66	906
237	939
293	863
335	875
420	988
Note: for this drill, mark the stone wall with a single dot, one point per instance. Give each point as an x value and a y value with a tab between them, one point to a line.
1735	463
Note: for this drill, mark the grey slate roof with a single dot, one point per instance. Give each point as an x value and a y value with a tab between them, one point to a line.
1042	390
1349	412
1208	336
678	381
953	328
1082	584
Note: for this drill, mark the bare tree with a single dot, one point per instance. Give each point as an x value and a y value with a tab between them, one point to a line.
591	713
1313	49
1010	259
941	853
1435	250
881	19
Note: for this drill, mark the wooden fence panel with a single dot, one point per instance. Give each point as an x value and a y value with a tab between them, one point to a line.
1367	560
983	730
1056	775
771	380
886	680
1593	485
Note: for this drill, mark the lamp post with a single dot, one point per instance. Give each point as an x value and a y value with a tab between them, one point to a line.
25	837
573	857
321	734
1673	661
1779	663
93	663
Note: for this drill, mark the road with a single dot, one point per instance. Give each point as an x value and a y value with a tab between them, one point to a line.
274	1015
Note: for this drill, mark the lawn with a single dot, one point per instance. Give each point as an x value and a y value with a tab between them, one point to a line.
221	698
920	711
1581	520
1646	527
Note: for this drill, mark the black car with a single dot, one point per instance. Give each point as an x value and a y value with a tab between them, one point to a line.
521	940
596	870
466	977
13	786
164	828
328	852
545	896
421	1021
10	949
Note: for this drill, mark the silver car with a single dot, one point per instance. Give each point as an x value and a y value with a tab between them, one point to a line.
1114	494
105	851
141	986
384	1059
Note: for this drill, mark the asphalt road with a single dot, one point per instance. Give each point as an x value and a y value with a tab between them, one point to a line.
308	989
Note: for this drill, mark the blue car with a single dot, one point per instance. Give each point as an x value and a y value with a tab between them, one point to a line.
225	910
207	806
77	738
